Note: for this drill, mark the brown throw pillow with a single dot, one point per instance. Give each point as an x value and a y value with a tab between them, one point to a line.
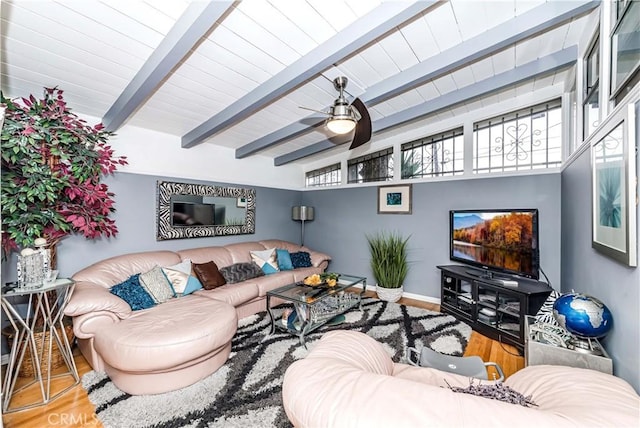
209	275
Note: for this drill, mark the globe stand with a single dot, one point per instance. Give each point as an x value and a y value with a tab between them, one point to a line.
585	345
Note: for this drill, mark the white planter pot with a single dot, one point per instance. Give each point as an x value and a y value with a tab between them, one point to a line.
389	294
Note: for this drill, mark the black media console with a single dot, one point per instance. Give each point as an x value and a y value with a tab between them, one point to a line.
494	306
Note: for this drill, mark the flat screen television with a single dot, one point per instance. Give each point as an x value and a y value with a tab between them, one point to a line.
192	214
498	240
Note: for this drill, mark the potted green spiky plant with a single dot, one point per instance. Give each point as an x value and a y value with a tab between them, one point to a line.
389	264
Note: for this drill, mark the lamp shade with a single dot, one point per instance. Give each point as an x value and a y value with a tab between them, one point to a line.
302	213
340	125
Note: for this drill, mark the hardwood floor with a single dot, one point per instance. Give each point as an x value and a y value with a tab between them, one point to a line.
73	409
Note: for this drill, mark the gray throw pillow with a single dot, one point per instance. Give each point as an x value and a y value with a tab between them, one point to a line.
241	272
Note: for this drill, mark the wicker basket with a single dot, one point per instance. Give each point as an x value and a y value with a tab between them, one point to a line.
389	294
27	368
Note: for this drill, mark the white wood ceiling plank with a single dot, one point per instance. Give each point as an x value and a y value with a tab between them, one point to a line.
543	82
463	77
51	51
52	35
94	102
524	88
445	84
552	40
278	25
443	25
391	106
576	31
361	71
143	13
522	6
471	17
473	105
378	59
420	39
412	97
527	51
325	82
428	91
506	94
223	61
503	60
336	13
202	80
91	78
173	9
460	110
497	12
396	46
254	33
223	44
171	93
482	69
316	26
362	7
98	21
489	100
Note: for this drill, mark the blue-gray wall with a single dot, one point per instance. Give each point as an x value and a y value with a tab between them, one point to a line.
587	271
343	218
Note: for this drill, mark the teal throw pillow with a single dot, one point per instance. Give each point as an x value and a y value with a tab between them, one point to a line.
284	259
133	293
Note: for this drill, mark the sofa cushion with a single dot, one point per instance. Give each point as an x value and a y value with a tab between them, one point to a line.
233	294
157	285
266	259
284	259
178	275
300	259
209	275
133	293
239	272
168	335
273	281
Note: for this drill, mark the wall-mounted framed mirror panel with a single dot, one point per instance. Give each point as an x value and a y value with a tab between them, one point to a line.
198	210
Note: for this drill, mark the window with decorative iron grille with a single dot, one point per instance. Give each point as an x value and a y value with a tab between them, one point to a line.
328	176
530	138
376	166
433	156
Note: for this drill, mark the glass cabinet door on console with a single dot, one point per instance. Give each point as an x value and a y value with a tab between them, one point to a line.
494	310
457	296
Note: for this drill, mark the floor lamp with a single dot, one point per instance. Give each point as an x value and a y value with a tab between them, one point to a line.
302	213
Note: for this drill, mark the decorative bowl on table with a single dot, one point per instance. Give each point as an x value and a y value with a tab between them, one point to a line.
326	280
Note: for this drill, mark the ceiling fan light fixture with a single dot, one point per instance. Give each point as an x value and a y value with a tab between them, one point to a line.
341	125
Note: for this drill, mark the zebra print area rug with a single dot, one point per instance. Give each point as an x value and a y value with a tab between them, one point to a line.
246	391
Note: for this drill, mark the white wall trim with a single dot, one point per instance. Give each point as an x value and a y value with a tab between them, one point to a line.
414	296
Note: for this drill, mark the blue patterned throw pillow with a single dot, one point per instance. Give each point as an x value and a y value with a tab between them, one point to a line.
133	293
300	259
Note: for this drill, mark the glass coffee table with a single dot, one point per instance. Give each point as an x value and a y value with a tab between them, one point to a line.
314	306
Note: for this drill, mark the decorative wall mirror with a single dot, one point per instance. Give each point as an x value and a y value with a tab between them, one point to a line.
198	210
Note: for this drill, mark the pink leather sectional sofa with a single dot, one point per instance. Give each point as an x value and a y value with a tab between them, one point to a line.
348	379
176	343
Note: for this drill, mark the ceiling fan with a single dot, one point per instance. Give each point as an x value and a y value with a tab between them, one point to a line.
344	117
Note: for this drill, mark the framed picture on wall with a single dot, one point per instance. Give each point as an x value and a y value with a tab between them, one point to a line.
613	187
394	199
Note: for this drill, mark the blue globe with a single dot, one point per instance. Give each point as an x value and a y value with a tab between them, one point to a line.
583	315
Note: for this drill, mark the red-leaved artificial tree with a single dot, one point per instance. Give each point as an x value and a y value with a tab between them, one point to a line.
52	165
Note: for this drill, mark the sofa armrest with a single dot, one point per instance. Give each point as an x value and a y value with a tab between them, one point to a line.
318	258
88	298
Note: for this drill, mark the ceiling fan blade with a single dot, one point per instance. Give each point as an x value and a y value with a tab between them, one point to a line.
362	133
317	111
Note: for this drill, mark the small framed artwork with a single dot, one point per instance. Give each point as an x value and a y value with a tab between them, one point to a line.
241	202
394	199
613	187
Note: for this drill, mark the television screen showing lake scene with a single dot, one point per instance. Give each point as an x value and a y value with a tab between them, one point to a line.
502	240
